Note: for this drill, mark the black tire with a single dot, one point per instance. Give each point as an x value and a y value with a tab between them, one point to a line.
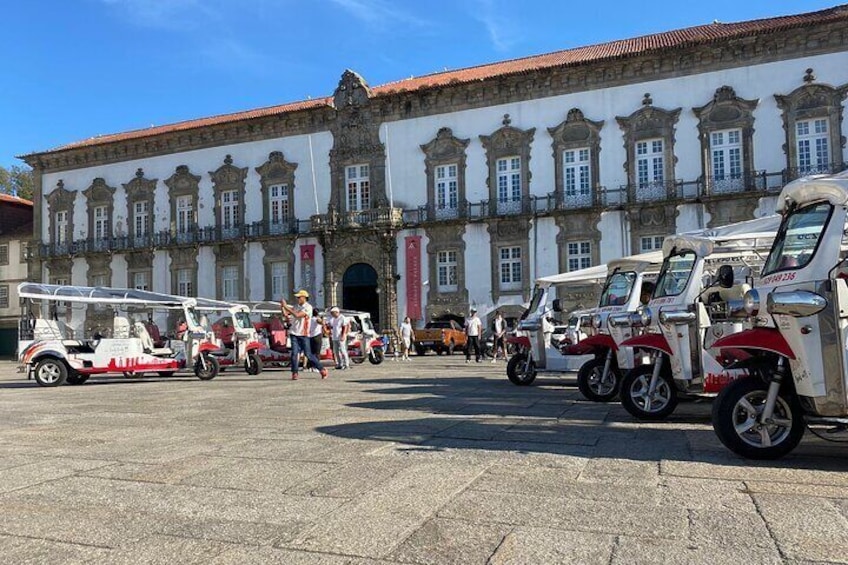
376	356
439	350
211	370
75	378
518	371
633	388
253	364
589	380
728	413
164	373
51	372
420	350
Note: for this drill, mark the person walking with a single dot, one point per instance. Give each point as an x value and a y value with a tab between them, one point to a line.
473	329
407	336
300	318
499	333
316	338
339	329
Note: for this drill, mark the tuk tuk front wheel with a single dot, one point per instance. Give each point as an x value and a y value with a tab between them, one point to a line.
736	420
635	395
253	364
210	371
596	386
520	371
51	372
376	356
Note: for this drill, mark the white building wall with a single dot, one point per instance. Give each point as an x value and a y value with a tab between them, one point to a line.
544	253
478	267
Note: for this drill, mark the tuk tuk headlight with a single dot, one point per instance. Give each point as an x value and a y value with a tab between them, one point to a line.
646	316
751	302
596	321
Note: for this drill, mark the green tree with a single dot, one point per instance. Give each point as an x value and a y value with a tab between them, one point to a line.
17	181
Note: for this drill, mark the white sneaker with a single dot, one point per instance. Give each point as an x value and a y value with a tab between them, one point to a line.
468	360
494	360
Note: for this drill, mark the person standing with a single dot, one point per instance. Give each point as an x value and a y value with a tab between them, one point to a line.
339	329
473	329
499	333
407	336
300	318
316	338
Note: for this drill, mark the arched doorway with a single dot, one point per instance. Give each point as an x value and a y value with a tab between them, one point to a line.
359	290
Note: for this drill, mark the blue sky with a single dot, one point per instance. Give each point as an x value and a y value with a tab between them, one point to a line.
78	68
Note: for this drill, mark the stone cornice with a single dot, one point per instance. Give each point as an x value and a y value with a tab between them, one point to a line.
769	47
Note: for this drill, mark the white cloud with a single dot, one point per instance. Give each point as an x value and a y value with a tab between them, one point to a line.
379	14
502	31
165	14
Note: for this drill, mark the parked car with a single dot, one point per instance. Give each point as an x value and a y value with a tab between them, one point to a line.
444	336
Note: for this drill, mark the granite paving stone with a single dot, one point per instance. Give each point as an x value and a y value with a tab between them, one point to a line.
543	546
441	541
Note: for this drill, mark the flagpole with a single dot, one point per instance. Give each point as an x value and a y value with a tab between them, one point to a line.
314	183
389	169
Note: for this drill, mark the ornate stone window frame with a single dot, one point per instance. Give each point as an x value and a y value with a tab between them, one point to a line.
807	102
508	141
356	141
140	262
182	183
278	250
578	226
509	232
649	122
724	112
443	150
61	200
576	132
183	258
446	237
276	170
229	255
97	195
227	178
651	220
137	190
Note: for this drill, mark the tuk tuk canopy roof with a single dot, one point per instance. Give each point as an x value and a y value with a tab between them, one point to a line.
599	272
210	305
101	295
830	188
756	234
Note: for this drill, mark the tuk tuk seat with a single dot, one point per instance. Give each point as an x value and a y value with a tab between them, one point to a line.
147	342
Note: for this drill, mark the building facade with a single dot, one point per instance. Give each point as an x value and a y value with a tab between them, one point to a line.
434	194
16	231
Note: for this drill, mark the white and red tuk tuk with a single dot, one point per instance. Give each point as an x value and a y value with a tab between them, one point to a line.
701	283
599	378
796	351
234	333
53	353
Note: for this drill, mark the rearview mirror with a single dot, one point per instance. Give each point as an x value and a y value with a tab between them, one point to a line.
557	306
725	276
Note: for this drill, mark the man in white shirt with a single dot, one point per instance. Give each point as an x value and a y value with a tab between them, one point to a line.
339	328
301	319
473	330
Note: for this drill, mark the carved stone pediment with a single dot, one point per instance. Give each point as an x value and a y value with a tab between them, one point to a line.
229	252
352	91
445	146
99	191
61	197
140	188
60	267
184	257
228	176
726	110
507	139
649	122
276	168
728	211
139	260
576	130
182	181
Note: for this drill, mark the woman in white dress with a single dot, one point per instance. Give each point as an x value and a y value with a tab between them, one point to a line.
407	335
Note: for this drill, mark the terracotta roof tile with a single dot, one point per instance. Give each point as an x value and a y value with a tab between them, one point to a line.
687	37
14	199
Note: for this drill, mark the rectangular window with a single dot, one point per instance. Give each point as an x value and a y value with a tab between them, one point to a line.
649	163
101	222
509	267
509	179
4	254
184	283
141	217
4	296
24	251
446	187
99	280
229	283
279	280
726	160
577	172
278	203
358	188
446	266
579	255
651	243
141	280
230	209
185	213
61	234
813	146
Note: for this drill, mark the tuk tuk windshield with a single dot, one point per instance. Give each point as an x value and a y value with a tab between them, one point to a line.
798	238
191	318
617	289
243	320
535	301
675	273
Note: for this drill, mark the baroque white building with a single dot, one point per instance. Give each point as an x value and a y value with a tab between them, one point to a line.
433	194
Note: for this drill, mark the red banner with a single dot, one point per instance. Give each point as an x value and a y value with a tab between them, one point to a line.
412	243
307	269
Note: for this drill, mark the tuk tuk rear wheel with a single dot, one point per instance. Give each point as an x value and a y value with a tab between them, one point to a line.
736	413
210	371
634	393
376	356
253	364
51	372
593	386
520	371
